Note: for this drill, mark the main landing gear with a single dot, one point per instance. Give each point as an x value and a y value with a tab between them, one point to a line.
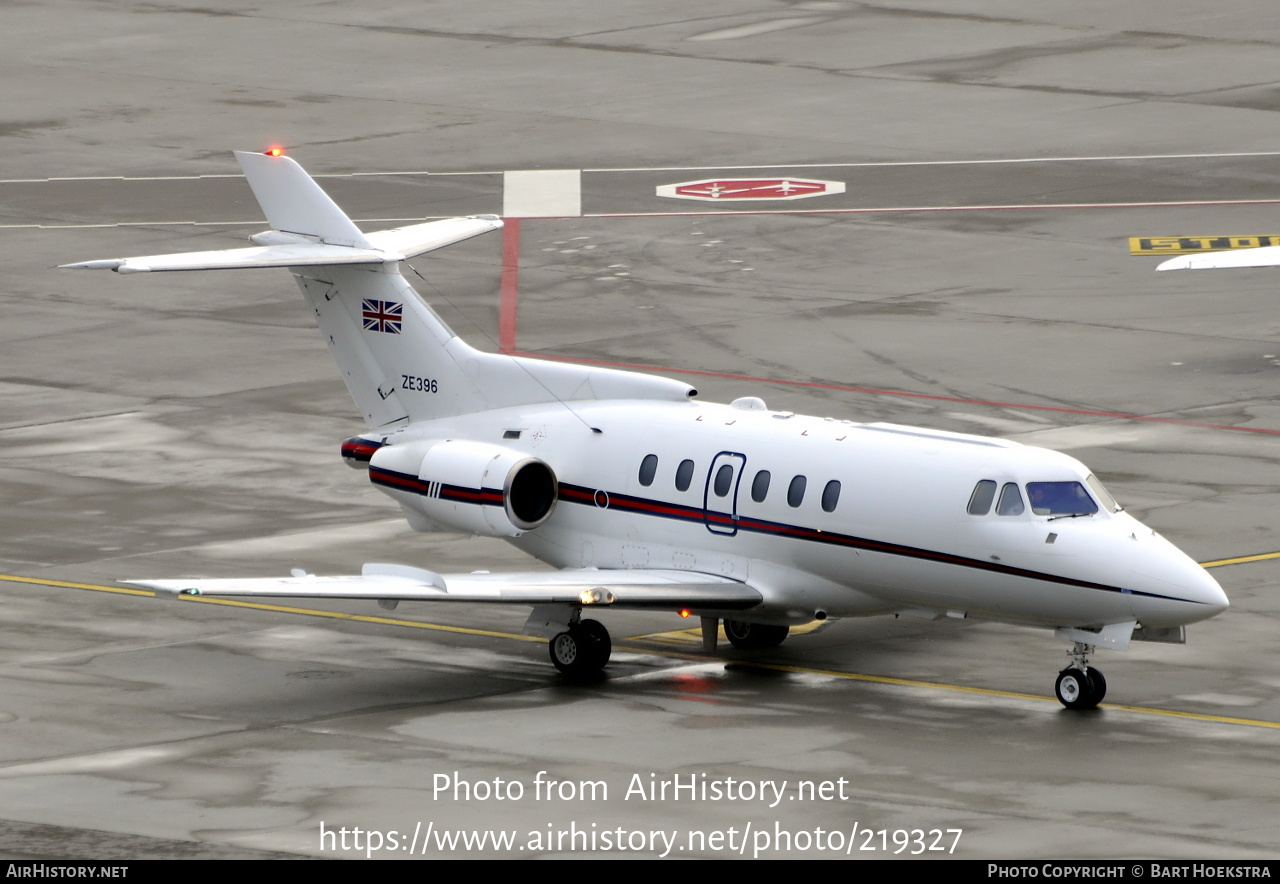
581	650
1080	686
754	636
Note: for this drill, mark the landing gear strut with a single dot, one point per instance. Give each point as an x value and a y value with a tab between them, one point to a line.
581	650
1080	686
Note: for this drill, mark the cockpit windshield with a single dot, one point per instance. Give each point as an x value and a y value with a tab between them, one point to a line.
1060	499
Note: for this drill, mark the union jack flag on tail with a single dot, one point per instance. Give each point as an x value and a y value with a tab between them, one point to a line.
382	316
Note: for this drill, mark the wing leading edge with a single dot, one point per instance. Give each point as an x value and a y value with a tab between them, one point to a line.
587	587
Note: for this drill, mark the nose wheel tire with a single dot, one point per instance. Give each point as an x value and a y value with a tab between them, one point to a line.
1078	689
581	650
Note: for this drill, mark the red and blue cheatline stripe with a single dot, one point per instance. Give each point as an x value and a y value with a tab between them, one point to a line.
454	493
627	503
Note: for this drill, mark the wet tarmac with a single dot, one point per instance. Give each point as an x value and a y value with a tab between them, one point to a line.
190	423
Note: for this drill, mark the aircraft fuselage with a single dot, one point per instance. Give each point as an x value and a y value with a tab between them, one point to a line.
852	519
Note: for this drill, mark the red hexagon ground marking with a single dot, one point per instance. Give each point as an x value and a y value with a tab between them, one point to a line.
715	189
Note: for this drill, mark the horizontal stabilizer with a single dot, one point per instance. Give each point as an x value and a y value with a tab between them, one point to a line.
386	246
667	589
417	239
1267	256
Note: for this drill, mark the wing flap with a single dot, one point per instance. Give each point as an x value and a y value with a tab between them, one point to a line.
588	587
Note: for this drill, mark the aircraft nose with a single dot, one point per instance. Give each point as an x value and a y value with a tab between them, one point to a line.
1201	596
1179	590
1209	592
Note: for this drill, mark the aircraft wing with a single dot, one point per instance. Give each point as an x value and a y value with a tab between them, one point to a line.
668	589
1266	256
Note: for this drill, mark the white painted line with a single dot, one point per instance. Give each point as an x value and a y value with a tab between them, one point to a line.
1013	160
744	211
431	174
899	209
887	163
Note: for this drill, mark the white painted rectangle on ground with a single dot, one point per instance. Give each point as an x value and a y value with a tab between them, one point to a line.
550	193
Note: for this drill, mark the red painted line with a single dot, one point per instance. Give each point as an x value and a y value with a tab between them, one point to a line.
1117	415
510	285
902	209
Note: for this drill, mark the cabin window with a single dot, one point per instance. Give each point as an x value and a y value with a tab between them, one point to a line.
684	475
1010	501
724	480
760	486
983	495
1060	499
795	491
648	468
830	496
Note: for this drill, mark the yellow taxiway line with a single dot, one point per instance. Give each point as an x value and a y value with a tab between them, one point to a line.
283	609
1240	560
990	692
777	667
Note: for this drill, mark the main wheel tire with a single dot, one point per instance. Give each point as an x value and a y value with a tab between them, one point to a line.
566	652
1099	684
581	650
599	638
754	636
1076	690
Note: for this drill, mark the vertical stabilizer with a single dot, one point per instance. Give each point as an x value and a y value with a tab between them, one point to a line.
397	357
399	360
293	203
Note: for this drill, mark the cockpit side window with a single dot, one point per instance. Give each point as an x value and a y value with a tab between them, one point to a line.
1060	499
1100	493
983	494
1010	501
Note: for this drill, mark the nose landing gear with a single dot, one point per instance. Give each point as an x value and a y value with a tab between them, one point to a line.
1080	686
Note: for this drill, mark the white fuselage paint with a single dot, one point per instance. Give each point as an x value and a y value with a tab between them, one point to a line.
899	538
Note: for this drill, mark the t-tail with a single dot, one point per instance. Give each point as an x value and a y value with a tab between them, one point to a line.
400	361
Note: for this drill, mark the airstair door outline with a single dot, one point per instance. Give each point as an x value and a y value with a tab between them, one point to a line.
720	498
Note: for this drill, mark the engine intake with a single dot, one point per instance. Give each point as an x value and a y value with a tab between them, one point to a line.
472	487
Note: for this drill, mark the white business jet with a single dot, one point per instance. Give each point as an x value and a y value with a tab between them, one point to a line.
645	498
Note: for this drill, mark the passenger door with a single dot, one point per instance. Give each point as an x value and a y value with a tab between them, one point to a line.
720	499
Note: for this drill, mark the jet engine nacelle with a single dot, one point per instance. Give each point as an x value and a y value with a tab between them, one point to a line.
471	487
